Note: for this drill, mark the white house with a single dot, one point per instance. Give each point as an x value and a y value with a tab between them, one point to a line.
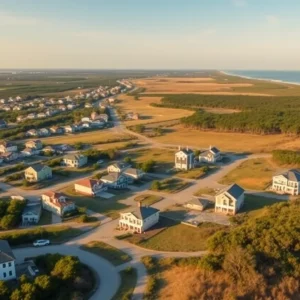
133	174
115	180
230	200
212	155
75	160
288	183
31	214
90	187
184	159
139	220
118	167
7	262
57	203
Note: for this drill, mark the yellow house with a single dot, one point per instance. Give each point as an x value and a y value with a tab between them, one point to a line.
38	173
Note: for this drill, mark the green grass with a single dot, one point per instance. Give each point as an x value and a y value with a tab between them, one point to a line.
191	174
110	253
109	207
148	199
255	174
254	205
128	283
46	218
177	237
172	185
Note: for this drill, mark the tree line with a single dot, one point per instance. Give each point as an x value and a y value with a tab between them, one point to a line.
286	157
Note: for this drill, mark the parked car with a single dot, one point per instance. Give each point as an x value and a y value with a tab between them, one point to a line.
33	270
99	162
40	243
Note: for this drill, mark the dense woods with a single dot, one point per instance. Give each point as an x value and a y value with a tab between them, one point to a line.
287	157
259	115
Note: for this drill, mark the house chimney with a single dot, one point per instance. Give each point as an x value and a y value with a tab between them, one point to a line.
139	203
187	148
179	148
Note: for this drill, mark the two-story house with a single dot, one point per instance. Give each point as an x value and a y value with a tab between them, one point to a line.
287	183
230	200
7	262
90	187
58	203
140	219
38	172
31	213
34	144
133	174
212	155
7	146
75	160
184	159
115	180
118	167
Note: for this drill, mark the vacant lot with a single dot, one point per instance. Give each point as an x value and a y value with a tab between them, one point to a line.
147	112
205	191
112	254
171	185
236	142
255	174
148	199
109	207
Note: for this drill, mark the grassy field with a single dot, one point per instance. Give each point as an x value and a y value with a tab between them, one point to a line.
180	135
147	112
128	283
163	158
109	207
172	185
181	237
92	137
112	254
148	199
205	191
255	174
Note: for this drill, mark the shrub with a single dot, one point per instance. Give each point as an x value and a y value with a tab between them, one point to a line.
156	185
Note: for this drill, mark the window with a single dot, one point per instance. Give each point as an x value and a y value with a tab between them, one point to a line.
4	265
10	273
9	264
4	275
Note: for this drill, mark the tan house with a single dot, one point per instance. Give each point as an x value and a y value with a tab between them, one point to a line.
230	200
139	220
90	187
38	173
184	159
75	160
34	144
118	167
212	155
197	204
7	146
57	203
287	183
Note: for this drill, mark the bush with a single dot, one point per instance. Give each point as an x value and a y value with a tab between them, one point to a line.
211	262
156	185
149	262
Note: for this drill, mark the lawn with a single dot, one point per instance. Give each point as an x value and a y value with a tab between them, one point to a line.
177	237
112	254
148	199
163	158
254	205
128	283
205	191
196	173
147	112
109	207
46	218
172	185
244	142
255	174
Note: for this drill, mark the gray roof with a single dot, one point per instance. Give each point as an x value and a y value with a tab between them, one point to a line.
198	201
35	209
74	156
38	167
186	150
113	176
131	171
143	212
234	190
214	150
6	254
293	175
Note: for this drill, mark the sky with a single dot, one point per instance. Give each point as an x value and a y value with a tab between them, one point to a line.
150	34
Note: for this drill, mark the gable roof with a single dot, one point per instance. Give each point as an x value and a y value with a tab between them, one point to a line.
6	254
113	176
143	212
234	190
35	209
74	156
87	182
293	175
198	201
37	167
120	165
186	151
214	150
132	171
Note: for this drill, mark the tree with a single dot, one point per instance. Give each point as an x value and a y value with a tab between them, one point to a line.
156	185
128	160
4	290
8	221
148	165
139	128
66	268
16	295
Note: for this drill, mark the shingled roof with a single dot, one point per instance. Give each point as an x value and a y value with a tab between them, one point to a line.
143	212
234	190
6	254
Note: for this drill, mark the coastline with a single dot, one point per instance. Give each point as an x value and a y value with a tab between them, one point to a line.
261	79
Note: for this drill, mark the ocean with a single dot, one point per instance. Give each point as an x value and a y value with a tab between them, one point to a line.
281	76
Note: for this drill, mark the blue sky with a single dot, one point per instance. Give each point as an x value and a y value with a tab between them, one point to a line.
156	34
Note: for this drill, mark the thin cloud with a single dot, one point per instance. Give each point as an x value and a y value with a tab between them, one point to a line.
239	3
272	20
7	18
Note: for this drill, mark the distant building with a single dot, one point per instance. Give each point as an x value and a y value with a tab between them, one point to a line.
184	159
7	262
212	155
287	183
90	187
34	144
118	167
133	174
3	124
31	214
7	146
58	203
75	160
38	173
115	180
230	200
197	204
140	219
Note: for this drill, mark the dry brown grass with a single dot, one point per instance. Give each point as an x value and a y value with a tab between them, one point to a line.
186	85
237	142
147	112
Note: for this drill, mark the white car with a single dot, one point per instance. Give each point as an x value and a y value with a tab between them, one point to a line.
40	243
